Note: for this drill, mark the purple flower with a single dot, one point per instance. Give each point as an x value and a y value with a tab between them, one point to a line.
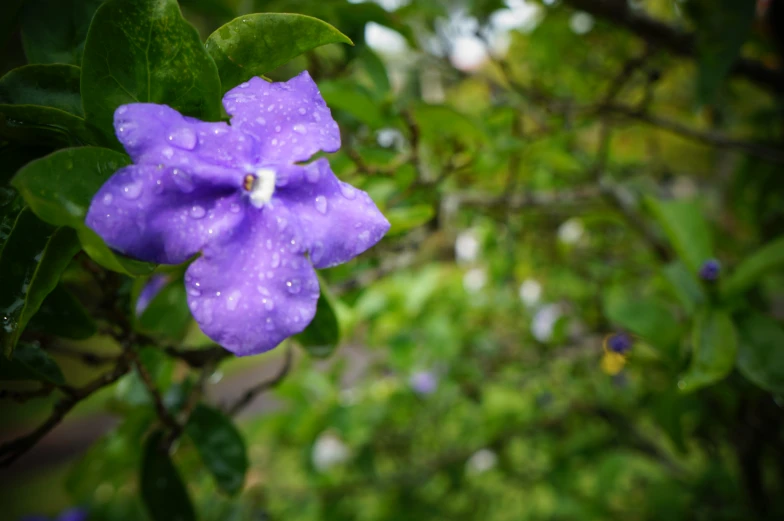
423	382
241	196
619	343
149	292
710	270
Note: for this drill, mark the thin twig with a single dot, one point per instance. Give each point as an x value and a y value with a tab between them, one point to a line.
255	391
23	396
12	450
163	413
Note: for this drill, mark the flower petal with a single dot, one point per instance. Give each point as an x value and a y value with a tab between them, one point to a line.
290	119
256	288
162	214
339	221
159	135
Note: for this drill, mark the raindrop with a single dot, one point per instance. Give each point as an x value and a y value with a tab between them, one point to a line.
275	260
277	128
167	152
313	175
197	212
183	138
182	180
244	85
233	300
107	199
235	208
132	190
321	204
194	292
261	121
264	291
282	223
269	305
294	285
299	128
269	325
348	191
364	236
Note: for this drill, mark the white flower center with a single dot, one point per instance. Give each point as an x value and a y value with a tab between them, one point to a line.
262	186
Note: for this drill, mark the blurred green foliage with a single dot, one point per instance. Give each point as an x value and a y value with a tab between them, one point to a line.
554	172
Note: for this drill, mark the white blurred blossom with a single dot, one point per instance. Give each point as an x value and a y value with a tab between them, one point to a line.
474	280
390	137
468	53
466	247
481	461
571	231
581	23
328	451
530	292
543	323
384	40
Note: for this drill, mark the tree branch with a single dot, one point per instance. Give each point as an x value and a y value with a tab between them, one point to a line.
255	391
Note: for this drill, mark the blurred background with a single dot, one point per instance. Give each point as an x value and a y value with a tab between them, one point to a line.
569	183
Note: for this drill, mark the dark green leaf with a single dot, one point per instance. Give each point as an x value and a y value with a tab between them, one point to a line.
31	262
220	446
59	189
53	86
761	352
684	285
163	492
686	228
53	31
321	337
30	362
167	314
255	44
714	347
61	314
35	125
765	260
144	51
722	28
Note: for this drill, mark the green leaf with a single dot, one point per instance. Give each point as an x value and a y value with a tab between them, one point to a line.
53	31
761	352
31	262
646	317
53	86
221	447
167	314
145	51
59	189
30	362
686	228
34	125
722	29
685	286
403	219
765	260
322	335
255	44
163	492
714	347
354	99
61	314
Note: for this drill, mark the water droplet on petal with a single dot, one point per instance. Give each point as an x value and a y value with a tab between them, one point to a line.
107	199
167	152
182	180
364	236
269	305
348	191
303	110
244	85
264	291
234	207
269	325
233	300
316	251
194	292
183	137
261	121
312	174
122	110
299	128
321	204
277	128
294	285
282	223
197	212
275	260
132	190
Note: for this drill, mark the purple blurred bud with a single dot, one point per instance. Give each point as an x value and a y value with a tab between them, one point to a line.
150	290
423	382
619	343
74	514
710	270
